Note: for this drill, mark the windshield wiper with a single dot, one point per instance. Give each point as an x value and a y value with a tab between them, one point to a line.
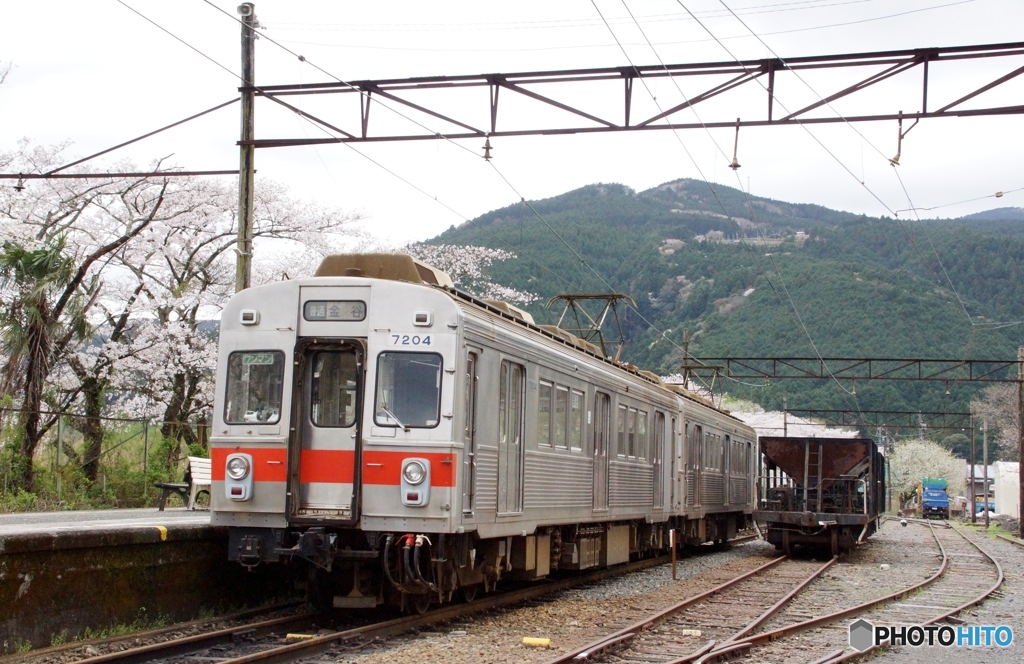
394	417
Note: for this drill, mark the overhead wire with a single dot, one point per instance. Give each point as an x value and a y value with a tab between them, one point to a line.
564	23
893	164
987	325
544	221
778	273
592	46
945	273
323	129
998	194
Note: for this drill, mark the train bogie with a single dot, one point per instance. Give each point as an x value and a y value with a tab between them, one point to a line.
410	441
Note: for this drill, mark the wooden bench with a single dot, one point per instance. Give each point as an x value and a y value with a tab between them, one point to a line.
201	480
167	488
198	475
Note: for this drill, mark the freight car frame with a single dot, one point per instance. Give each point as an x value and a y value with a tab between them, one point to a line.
820	492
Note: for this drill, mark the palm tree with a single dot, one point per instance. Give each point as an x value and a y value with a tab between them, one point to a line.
41	310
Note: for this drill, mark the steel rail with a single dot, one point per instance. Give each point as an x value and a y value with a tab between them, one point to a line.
396	626
1011	540
849	657
149	652
736	641
46	653
767	637
629	632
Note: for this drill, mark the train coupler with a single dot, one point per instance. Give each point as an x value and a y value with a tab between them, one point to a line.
315	546
250	551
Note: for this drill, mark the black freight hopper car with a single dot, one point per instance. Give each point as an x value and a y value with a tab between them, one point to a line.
820	492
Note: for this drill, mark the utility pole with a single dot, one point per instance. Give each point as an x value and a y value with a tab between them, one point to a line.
974	498
984	471
1020	441
247	153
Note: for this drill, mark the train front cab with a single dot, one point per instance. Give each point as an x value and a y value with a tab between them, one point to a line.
333	418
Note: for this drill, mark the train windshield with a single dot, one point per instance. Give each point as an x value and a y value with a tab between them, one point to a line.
255	381
408	390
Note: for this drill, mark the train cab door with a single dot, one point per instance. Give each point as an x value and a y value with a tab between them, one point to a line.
323	474
602	432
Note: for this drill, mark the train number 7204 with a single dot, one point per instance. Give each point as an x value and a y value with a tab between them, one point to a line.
410	340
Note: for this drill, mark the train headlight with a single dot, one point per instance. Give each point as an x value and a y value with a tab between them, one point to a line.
238	467
414	472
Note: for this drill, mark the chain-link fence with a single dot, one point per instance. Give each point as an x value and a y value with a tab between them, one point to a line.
84	462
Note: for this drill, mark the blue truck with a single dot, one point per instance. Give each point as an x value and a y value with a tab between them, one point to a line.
932	497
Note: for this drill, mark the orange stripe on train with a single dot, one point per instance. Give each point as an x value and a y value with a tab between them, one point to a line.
389	470
269	464
336	466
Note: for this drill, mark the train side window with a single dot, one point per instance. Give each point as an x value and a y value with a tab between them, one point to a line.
641	434
502	402
621	449
408	390
631	433
561	415
469	435
727	449
544	415
254	387
697	446
576	402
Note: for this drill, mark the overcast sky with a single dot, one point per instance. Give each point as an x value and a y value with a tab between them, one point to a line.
95	73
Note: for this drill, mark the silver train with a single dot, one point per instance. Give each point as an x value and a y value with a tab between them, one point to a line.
410	444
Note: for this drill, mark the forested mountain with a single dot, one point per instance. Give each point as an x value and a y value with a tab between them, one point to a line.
755	277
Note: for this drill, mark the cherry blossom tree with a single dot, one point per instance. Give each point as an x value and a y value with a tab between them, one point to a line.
912	459
467	266
60	236
110	290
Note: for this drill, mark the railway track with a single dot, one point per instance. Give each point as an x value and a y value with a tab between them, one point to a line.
176	633
725	613
965	576
969	575
261	641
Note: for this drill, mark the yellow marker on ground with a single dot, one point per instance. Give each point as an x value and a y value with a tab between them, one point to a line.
163	533
537	642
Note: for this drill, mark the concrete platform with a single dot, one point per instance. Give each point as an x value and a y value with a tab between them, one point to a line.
61	572
25	523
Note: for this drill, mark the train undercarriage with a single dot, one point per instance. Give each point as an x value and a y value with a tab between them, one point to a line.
411	571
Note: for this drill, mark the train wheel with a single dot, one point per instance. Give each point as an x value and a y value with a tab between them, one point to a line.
418	604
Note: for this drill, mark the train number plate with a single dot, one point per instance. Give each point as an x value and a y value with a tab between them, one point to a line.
411	339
